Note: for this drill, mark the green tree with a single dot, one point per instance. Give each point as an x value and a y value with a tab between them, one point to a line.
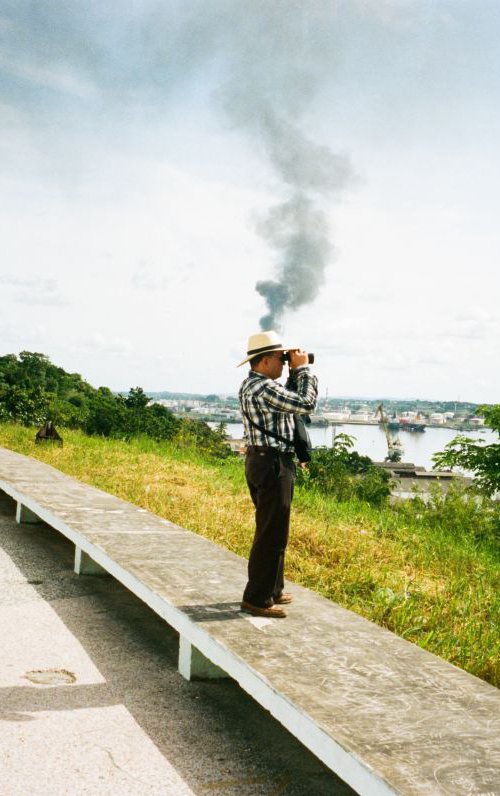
33	369
221	431
32	372
160	423
65	413
473	455
345	474
8	369
24	405
107	414
136	399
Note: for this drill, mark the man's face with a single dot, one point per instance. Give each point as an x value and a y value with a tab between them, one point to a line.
274	365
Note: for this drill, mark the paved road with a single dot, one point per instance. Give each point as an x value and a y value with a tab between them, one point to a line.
115	716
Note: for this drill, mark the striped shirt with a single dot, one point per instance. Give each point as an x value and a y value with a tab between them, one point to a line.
272	406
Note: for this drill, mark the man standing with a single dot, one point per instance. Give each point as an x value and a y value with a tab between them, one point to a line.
268	409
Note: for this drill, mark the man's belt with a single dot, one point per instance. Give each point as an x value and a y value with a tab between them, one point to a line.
265	449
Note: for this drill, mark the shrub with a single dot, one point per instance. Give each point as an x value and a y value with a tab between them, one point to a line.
198	434
26	406
106	415
470	454
458	512
345	474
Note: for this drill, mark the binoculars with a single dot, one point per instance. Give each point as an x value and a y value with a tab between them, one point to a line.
286	358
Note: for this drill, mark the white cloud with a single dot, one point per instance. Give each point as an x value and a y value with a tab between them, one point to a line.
347	348
435	359
34	291
473	330
149	278
393	13
6	25
375	296
476	314
101	344
12	335
29	282
55	76
40	300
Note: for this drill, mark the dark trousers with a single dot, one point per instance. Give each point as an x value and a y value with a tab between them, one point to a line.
270	477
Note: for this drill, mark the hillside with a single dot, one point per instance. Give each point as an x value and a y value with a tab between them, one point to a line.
33	390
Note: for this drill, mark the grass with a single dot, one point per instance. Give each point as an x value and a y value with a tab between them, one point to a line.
425	576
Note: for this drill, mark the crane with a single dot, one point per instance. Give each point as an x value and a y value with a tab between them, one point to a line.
394	446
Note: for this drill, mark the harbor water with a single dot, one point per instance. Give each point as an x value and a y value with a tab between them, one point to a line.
370	440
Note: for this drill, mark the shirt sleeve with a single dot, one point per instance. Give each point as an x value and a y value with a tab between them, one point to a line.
301	400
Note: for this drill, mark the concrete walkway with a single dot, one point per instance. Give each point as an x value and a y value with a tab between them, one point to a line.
128	723
386	715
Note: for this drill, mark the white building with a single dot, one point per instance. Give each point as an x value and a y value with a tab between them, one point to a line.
363	416
341	415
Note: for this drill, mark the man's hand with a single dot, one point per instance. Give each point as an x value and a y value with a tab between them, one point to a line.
298	357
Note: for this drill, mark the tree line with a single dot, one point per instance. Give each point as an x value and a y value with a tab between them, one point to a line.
34	390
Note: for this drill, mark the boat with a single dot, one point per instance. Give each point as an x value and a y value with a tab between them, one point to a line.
405	424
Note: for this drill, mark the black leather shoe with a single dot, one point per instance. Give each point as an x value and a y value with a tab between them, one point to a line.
273	611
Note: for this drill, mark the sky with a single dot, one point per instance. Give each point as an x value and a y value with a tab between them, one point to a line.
175	174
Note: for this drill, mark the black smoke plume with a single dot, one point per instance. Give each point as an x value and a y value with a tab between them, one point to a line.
275	76
264	61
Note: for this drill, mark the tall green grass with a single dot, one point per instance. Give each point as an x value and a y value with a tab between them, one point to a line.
431	574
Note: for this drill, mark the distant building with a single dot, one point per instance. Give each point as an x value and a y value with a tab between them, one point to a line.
362	416
341	415
167	402
412	417
204	410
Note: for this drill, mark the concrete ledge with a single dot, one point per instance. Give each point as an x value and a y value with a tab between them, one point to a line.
383	714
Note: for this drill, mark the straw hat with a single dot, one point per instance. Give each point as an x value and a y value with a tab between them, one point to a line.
261	343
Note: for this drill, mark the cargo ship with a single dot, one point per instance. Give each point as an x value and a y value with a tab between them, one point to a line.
405	424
